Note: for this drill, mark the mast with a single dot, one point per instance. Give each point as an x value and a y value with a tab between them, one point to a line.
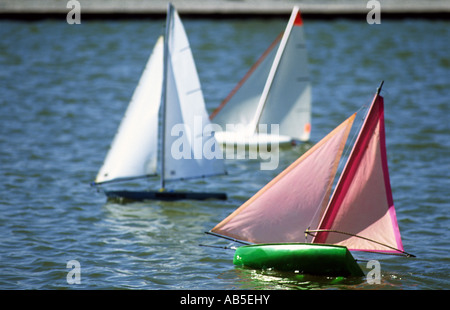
164	91
273	71
364	189
379	88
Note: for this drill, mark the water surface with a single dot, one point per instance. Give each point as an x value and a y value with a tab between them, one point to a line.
64	89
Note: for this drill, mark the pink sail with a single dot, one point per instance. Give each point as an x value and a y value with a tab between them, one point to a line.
361	214
294	200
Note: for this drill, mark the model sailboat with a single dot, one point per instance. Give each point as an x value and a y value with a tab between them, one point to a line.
296	206
168	94
276	90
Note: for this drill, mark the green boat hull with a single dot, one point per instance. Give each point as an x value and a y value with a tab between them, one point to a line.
313	259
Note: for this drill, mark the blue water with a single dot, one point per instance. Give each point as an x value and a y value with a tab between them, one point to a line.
64	89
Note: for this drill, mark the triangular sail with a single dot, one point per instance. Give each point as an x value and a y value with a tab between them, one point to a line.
133	152
362	206
286	98
186	140
276	90
291	202
240	105
170	74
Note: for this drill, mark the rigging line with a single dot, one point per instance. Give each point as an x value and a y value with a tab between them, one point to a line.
246	76
123	179
351	142
200	176
355	135
357	236
228	238
184	48
192	91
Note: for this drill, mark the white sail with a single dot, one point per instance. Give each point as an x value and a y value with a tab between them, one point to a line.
277	89
240	106
288	99
133	152
170	81
186	147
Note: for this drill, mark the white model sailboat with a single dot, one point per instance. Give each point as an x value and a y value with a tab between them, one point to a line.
276	91
296	207
169	94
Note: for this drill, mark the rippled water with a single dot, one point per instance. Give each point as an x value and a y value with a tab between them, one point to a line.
64	89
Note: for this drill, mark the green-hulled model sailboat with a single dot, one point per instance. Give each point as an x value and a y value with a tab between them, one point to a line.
296	206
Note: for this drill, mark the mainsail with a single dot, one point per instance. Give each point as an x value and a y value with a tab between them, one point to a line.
185	116
169	92
276	90
362	205
359	215
134	150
